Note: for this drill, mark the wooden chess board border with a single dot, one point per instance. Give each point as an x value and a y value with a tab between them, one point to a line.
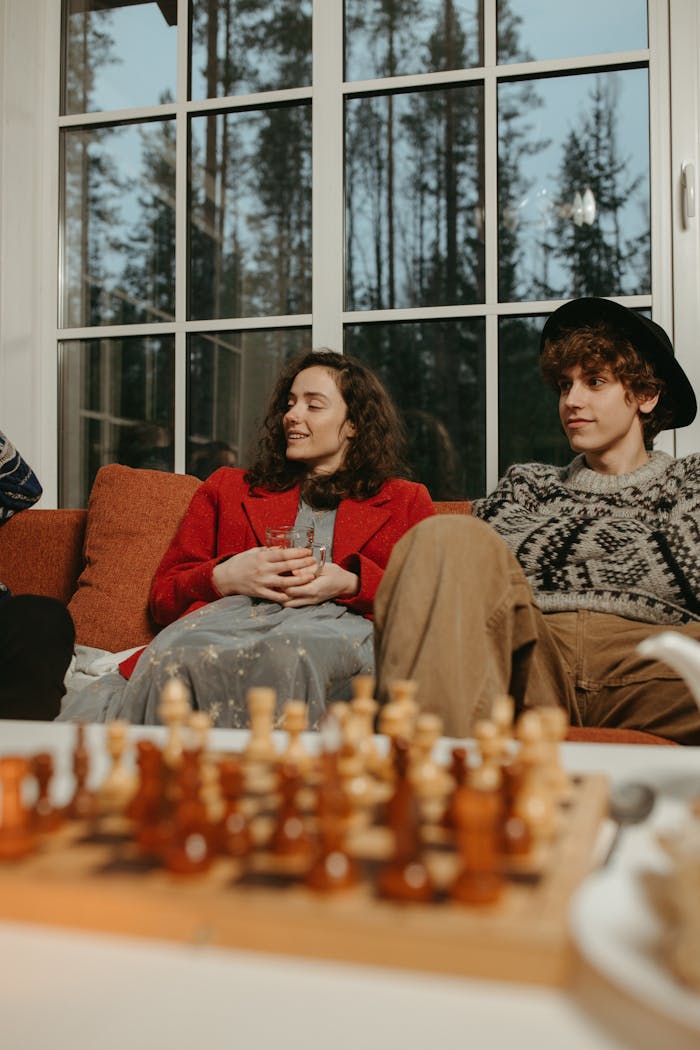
525	937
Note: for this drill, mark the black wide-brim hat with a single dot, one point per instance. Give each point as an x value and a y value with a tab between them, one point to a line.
647	337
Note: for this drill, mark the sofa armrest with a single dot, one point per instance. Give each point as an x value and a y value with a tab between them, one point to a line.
41	552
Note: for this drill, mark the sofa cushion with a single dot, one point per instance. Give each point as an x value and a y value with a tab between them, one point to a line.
41	552
131	517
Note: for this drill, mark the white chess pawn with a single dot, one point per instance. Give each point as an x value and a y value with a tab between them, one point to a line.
120	784
173	711
261	709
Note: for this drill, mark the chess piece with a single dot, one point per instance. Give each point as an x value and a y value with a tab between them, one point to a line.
555	723
364	710
534	800
362	687
290	837
152	804
404	877
430	781
199	724
295	721
503	717
478	811
234	832
490	746
333	868
119	786
261	710
83	804
402	691
45	817
173	710
458	775
16	836
188	848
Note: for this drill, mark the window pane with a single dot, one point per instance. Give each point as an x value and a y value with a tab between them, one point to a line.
244	46
533	30
411	36
230	376
574	186
414	199
528	414
116	406
119	55
250	213
436	374
119	224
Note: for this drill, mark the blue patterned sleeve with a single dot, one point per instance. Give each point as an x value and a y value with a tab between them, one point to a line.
19	485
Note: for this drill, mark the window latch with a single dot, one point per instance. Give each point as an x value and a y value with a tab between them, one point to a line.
688	186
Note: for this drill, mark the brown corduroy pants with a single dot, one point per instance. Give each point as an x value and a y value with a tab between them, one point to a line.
455	613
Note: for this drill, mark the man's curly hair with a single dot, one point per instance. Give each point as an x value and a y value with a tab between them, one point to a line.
598	346
373	456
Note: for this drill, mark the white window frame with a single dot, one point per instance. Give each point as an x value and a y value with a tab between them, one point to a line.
29	247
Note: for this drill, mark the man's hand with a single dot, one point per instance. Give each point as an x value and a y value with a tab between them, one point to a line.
265	572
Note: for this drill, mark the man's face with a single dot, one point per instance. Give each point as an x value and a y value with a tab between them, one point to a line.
601	418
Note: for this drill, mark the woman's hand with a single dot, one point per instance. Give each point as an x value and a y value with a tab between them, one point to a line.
332	582
264	572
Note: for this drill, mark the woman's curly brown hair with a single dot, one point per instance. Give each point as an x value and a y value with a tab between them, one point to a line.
601	346
374	456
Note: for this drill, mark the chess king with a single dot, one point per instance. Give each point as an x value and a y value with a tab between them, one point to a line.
561	572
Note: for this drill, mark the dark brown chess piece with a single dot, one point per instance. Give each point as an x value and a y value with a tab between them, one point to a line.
405	876
333	868
45	817
16	836
478	814
233	833
458	772
83	804
290	837
190	847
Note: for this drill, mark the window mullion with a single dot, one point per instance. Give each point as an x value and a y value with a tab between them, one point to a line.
327	174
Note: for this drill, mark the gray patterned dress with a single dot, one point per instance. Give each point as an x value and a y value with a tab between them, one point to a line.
229	645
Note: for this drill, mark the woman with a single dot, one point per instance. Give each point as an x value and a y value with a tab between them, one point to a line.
241	614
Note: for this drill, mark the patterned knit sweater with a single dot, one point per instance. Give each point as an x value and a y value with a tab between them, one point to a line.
19	487
627	544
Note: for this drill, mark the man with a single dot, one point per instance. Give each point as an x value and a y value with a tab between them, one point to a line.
36	633
546	592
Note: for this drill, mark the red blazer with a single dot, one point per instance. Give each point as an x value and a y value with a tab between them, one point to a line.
224	518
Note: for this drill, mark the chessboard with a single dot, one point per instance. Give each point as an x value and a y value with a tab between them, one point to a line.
353	851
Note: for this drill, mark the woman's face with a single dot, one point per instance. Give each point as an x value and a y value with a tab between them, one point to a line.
315	424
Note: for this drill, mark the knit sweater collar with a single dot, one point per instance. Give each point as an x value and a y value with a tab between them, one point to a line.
581	478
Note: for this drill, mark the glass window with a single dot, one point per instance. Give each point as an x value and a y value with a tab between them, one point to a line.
240	47
414	199
436	375
117	398
250	213
411	36
230	376
574	186
119	224
118	55
534	30
417	265
528	415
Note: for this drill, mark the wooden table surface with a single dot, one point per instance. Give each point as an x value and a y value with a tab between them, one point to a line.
82	991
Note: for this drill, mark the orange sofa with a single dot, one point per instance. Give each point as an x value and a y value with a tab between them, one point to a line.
101	561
